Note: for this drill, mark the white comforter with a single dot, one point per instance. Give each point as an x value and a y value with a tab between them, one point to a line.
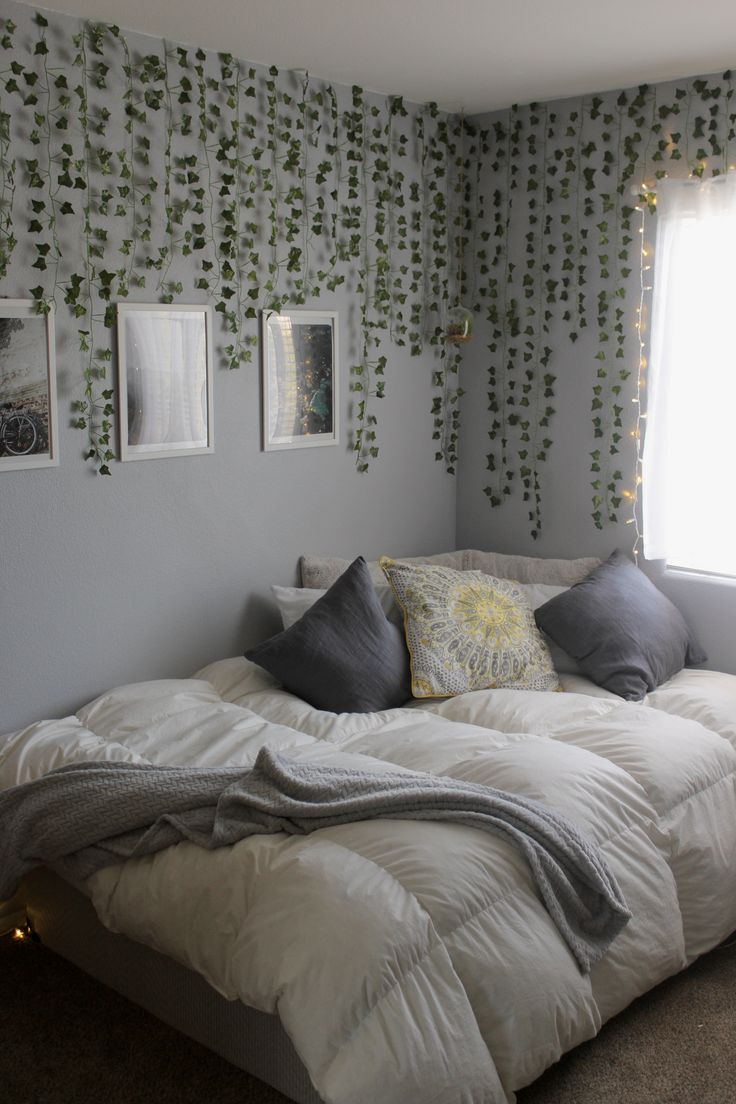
413	962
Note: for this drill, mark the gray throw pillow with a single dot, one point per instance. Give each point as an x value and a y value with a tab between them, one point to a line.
624	633
343	655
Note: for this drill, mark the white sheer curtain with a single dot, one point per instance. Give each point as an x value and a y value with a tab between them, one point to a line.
689	462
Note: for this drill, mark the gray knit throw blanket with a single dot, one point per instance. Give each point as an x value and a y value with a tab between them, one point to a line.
85	816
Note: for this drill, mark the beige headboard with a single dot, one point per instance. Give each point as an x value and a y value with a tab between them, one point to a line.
321	571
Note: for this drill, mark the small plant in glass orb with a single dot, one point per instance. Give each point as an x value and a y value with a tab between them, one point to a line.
459	328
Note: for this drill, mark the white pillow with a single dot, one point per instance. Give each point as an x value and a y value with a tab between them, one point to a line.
293	602
538	594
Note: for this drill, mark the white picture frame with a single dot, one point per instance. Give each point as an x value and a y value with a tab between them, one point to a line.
165	368
29	436
301	393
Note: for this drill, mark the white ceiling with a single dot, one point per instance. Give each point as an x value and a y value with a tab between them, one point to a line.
471	55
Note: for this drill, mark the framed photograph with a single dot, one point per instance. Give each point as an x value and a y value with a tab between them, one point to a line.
165	377
28	417
300	379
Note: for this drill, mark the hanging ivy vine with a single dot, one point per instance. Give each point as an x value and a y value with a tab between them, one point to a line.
557	261
180	173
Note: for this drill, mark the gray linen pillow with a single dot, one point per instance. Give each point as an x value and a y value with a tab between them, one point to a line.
342	655
624	633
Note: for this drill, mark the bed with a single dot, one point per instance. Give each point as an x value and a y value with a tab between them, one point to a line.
394	960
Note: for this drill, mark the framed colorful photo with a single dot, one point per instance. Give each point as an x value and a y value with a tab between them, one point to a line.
300	379
28	416
165	378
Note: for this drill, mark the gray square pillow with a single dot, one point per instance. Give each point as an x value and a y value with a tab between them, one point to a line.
624	633
343	655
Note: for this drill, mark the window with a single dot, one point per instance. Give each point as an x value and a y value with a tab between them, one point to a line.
689	461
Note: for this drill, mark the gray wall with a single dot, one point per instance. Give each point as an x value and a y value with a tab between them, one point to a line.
568	530
167	565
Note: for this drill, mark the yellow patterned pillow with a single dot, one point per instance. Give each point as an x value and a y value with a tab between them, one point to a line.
467	631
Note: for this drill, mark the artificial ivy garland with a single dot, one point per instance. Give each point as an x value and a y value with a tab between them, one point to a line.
559	254
279	195
274	193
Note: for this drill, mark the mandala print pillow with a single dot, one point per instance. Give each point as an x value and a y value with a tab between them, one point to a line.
468	631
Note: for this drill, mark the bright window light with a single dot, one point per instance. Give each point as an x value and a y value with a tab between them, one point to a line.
690	443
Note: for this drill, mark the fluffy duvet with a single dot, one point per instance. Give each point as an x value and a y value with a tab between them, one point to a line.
414	962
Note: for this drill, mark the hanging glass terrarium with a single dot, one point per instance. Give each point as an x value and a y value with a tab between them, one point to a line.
459	324
459	328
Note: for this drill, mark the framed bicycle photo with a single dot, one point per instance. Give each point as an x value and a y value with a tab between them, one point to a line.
28	416
300	379
165	376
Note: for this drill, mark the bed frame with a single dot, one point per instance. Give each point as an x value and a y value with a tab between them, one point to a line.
254	1041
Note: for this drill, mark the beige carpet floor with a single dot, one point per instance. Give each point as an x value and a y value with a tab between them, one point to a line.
65	1039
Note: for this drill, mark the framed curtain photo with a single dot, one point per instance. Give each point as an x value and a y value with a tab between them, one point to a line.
28	417
300	379
165	378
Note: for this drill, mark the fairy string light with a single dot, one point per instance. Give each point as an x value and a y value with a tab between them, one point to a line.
647	201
